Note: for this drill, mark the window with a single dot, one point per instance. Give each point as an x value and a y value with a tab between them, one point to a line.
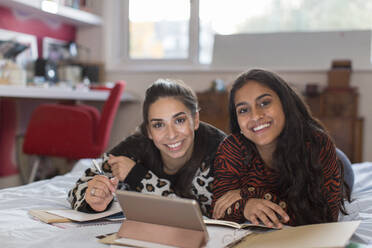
159	29
271	16
172	33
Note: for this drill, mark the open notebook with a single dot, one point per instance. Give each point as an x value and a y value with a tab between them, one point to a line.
67	215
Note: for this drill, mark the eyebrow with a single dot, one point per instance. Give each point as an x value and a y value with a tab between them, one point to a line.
258	98
174	116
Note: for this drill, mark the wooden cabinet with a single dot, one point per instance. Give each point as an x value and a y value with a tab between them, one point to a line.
214	109
337	109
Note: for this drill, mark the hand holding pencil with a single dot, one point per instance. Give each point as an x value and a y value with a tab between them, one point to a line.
101	189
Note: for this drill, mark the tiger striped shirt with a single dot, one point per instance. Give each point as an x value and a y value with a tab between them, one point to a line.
236	168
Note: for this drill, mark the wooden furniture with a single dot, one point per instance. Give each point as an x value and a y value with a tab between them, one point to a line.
214	109
337	109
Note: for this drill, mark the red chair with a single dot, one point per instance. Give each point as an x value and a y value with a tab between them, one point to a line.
71	131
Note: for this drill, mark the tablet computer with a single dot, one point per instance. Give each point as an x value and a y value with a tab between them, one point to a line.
177	213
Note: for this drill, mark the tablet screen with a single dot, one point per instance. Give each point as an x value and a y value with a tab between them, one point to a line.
176	212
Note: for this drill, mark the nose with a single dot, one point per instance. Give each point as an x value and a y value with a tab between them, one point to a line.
171	132
257	114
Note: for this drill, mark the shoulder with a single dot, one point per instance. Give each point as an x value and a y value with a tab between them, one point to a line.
212	132
233	141
234	147
325	148
209	136
322	139
134	143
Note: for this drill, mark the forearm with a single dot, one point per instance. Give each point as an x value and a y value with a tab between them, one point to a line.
152	184
236	211
332	179
135	177
76	196
333	191
221	186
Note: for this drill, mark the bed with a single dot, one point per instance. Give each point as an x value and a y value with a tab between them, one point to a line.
18	229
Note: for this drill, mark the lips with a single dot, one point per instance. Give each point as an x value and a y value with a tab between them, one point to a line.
261	127
175	146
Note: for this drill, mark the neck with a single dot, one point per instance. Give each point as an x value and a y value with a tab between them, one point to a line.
266	153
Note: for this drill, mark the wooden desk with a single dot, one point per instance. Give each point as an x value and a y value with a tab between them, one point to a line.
8	113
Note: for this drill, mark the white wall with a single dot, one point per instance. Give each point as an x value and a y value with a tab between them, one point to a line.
294	50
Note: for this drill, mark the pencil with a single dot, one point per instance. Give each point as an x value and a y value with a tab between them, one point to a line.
95	164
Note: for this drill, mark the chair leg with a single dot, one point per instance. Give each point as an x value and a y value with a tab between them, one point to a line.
35	167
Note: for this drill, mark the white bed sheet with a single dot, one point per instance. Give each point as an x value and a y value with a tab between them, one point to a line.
361	206
18	229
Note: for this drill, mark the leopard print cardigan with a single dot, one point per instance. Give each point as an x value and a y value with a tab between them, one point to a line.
151	181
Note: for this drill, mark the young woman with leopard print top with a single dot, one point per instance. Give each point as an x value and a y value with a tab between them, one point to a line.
170	154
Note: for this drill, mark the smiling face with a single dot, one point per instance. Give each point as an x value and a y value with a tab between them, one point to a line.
260	114
171	127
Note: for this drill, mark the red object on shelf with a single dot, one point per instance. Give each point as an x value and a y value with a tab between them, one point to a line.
99	87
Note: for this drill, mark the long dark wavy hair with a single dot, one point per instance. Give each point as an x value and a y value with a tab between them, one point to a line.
303	178
178	90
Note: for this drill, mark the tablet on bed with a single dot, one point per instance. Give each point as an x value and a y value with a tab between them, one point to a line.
158	219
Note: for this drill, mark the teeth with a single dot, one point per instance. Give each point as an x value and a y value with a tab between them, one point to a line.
261	127
175	145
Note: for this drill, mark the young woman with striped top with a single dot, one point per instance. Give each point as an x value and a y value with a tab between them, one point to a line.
279	165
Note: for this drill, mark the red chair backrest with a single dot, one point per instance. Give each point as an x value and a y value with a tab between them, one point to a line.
108	114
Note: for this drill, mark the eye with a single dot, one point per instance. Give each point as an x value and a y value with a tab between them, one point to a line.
180	120
265	103
242	110
157	125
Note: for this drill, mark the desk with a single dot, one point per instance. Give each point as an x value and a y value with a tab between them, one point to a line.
57	93
8	113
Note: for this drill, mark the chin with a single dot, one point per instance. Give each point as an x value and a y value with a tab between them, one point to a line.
175	155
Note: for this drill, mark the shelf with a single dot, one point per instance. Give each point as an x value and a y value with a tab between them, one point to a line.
64	14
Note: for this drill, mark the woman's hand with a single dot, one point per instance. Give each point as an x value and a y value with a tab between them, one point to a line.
224	202
265	211
100	192
120	166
